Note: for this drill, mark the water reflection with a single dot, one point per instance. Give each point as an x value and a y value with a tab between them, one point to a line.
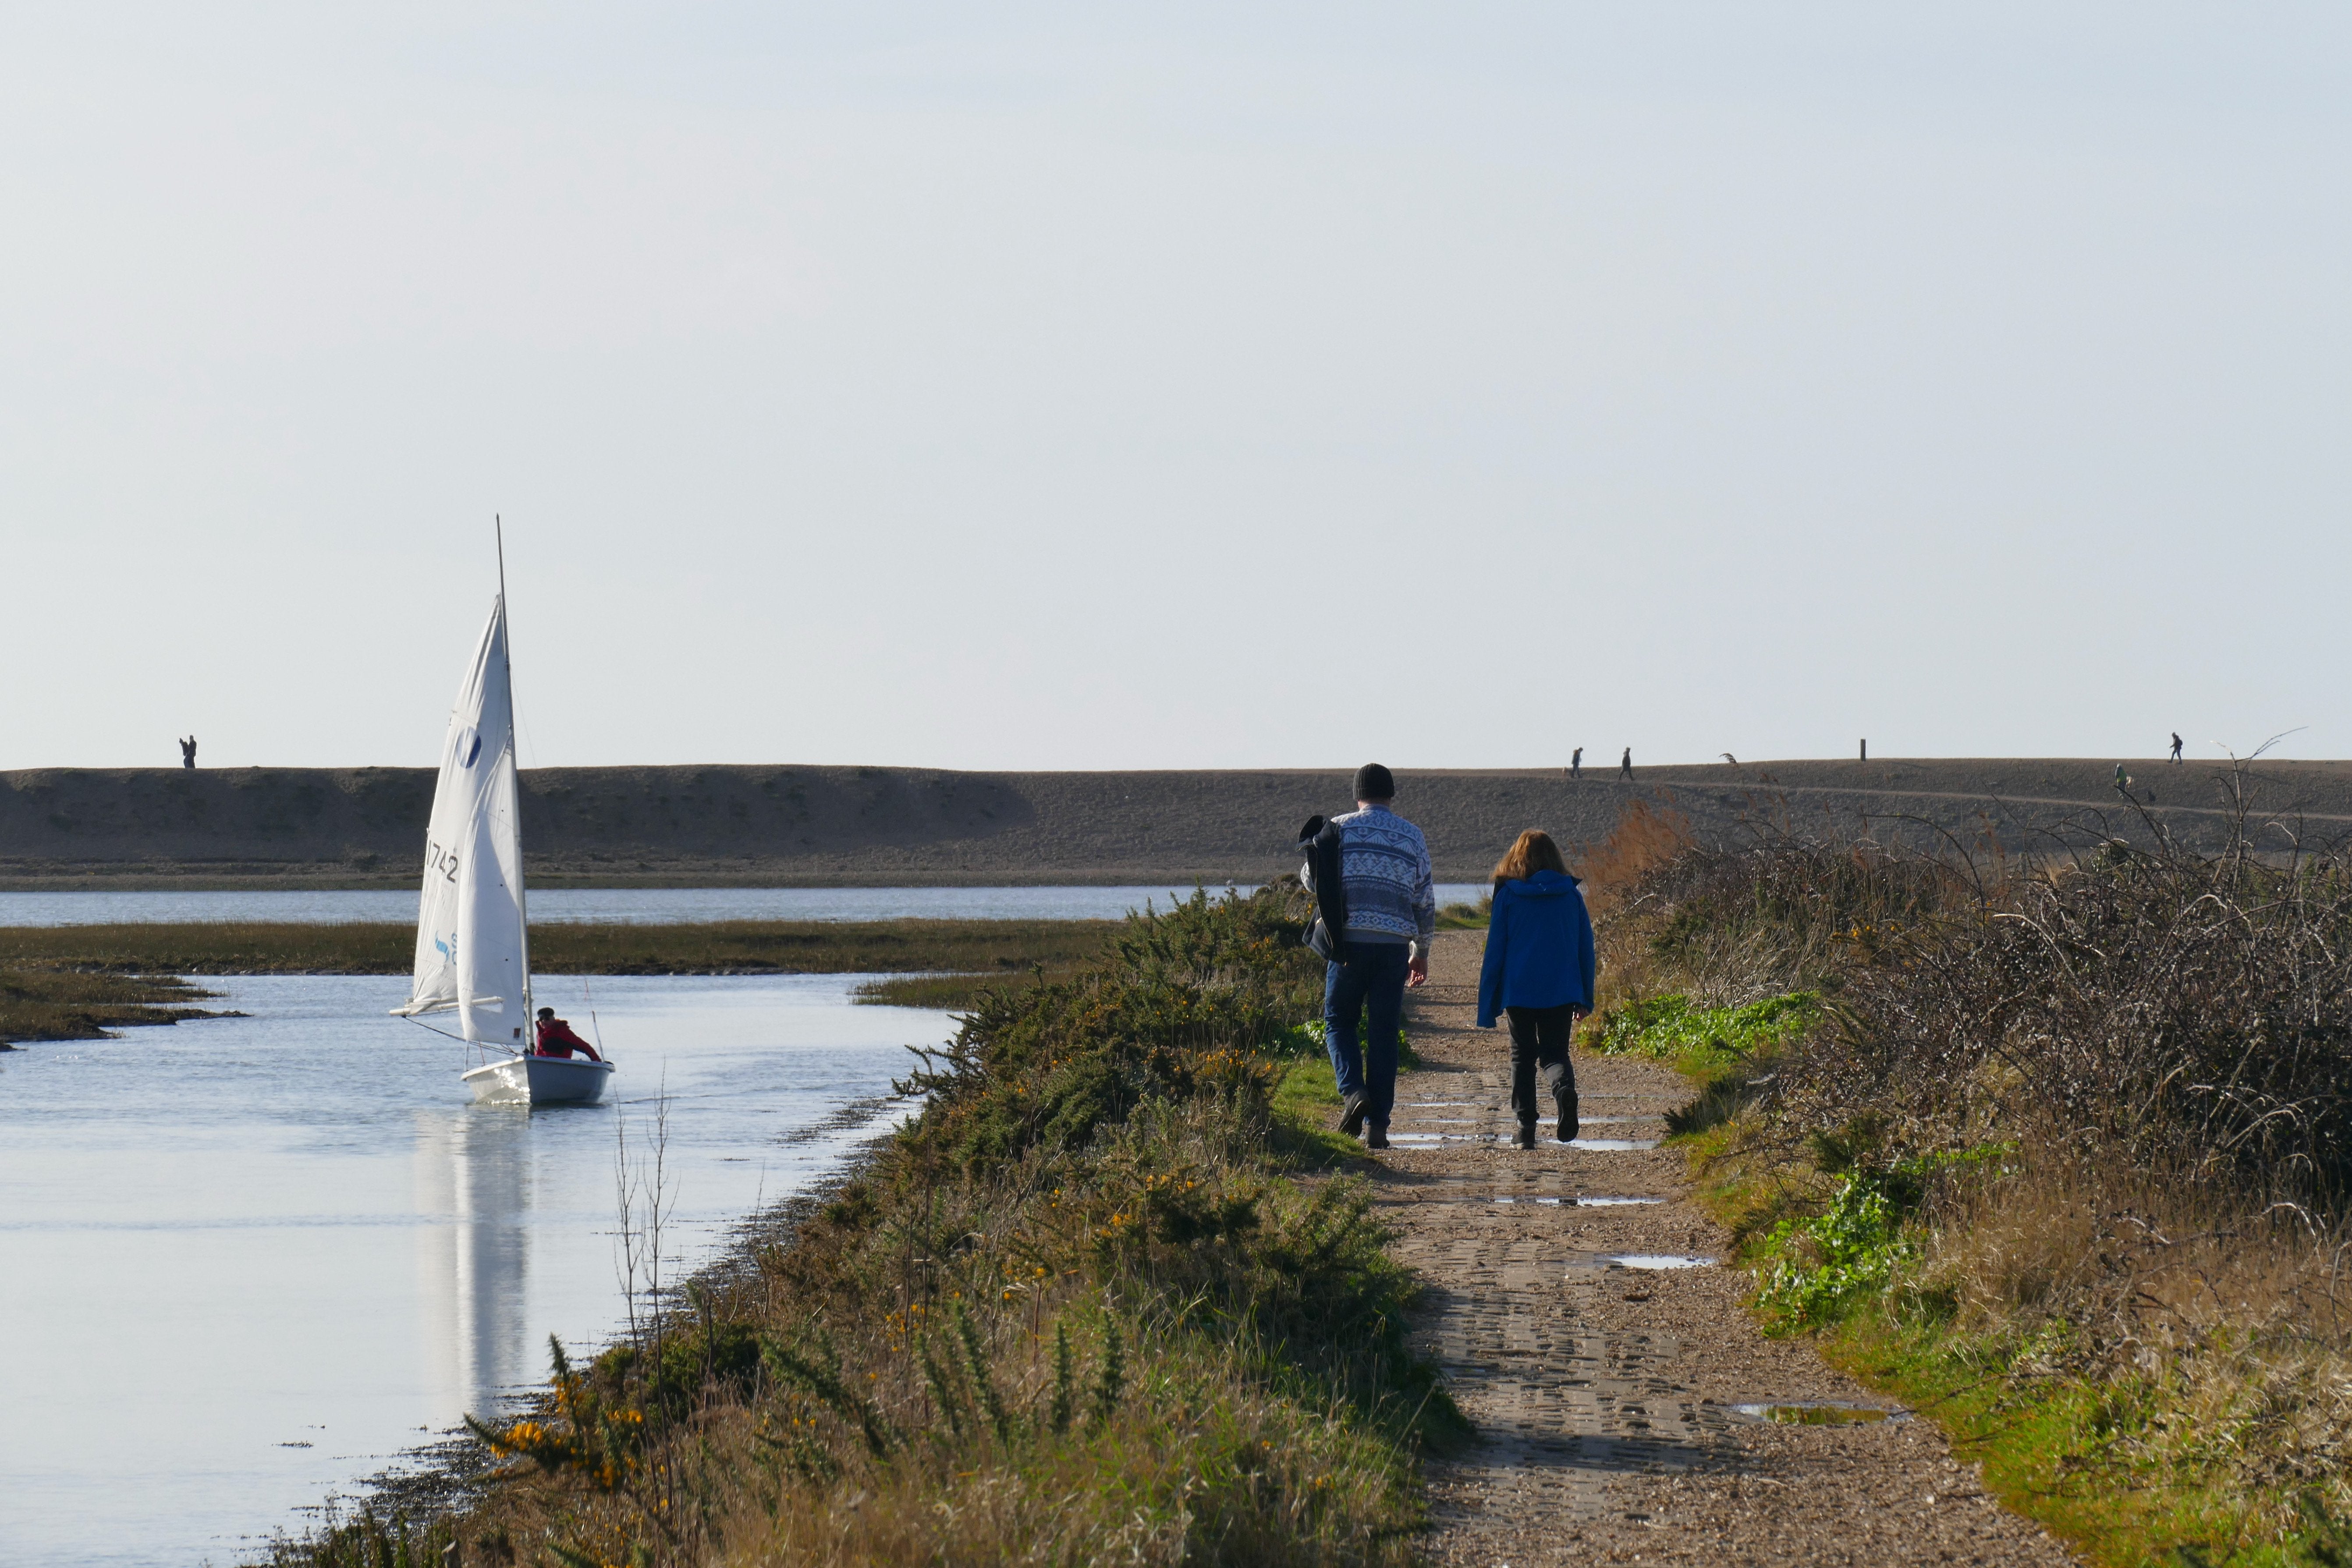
355	1253
473	1254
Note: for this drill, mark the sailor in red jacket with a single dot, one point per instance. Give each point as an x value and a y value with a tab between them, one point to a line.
556	1039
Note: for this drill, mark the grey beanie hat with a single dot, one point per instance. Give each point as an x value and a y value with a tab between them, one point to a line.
1373	782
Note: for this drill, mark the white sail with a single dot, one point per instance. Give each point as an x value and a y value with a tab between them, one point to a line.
469	928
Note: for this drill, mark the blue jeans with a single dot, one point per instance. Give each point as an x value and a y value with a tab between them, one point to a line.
1370	985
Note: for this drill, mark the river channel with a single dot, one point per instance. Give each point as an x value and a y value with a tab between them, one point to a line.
246	1262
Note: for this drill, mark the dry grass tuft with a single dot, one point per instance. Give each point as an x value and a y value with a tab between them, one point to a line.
1646	837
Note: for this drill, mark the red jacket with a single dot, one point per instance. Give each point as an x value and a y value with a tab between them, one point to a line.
556	1039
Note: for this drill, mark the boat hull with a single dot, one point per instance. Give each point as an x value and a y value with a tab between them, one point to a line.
540	1081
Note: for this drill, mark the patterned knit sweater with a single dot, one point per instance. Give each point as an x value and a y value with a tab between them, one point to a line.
1384	861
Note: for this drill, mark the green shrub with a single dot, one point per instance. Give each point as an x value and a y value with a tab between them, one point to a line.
1672	1027
1824	1265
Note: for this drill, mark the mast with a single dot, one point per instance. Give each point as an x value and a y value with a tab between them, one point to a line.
522	907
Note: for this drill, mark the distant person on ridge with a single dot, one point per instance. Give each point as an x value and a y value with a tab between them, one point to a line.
556	1039
1540	969
2176	745
1392	917
188	753
1575	764
1625	765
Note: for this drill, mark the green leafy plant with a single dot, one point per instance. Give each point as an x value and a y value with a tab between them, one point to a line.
1674	1027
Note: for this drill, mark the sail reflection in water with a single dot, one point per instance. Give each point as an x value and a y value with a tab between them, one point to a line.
473	1256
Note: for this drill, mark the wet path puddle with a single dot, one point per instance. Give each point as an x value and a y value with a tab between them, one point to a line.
1592	1202
1818	1413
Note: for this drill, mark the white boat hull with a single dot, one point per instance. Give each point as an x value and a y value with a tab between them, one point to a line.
540	1081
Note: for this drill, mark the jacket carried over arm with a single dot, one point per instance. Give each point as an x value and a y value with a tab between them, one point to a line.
1539	948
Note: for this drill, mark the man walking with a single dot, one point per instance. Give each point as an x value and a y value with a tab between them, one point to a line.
1392	916
1575	764
188	753
2176	745
1625	765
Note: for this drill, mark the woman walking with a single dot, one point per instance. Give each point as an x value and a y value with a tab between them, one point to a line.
1539	970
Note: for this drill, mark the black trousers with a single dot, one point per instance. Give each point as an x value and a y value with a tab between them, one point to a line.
1540	1056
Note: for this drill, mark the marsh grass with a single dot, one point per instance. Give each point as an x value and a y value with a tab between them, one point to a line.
1080	1309
41	1004
948	992
1000	948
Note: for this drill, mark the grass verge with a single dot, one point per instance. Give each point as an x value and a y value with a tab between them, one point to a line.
2054	1153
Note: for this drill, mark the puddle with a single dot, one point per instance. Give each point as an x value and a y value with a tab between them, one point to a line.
1452	1120
1612	1146
1500	1199
1608	1203
1655	1260
1820	1413
1612	1121
1434	1137
1436	1104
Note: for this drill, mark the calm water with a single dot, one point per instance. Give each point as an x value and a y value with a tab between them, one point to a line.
246	1261
631	905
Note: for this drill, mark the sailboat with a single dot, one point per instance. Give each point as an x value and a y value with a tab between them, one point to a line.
473	935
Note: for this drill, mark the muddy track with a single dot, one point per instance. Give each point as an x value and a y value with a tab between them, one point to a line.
1608	1398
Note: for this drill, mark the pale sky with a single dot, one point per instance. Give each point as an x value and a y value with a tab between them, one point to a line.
1011	386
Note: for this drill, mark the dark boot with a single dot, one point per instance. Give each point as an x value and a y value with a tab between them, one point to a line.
1526	1135
1378	1138
1351	1116
1562	1089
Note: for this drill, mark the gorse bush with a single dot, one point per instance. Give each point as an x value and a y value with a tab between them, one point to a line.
1082	1309
1199	999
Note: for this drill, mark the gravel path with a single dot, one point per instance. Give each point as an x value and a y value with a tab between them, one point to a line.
1608	1398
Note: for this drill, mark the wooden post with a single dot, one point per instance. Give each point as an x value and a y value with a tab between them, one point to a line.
1865	750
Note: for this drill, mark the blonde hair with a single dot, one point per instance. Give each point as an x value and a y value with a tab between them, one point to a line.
1532	852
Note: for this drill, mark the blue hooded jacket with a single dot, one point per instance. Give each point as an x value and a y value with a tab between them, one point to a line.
1539	947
